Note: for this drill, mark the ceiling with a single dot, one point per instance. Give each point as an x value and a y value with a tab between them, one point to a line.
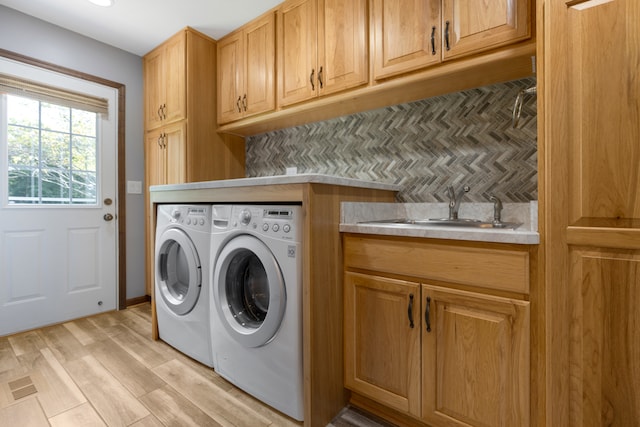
138	26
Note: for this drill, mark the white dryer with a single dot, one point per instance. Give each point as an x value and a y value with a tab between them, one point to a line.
257	302
182	260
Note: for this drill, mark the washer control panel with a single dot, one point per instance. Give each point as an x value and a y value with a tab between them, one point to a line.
193	216
277	221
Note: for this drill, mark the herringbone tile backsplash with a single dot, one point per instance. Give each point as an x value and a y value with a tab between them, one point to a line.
464	138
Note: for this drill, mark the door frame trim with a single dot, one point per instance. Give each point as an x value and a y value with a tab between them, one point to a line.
121	243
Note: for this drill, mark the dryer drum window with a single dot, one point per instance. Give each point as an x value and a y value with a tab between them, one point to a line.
175	271
247	289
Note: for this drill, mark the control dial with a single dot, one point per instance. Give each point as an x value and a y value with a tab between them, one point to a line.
245	217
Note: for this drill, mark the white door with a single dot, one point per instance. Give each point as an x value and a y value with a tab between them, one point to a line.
58	231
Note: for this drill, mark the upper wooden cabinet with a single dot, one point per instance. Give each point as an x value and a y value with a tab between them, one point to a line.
246	70
409	35
165	82
405	34
322	48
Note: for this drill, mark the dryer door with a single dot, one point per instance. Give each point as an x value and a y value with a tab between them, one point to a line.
178	271
249	291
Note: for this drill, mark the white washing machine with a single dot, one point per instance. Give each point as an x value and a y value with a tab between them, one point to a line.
182	262
257	302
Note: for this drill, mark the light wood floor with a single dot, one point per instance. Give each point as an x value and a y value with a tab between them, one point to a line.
106	370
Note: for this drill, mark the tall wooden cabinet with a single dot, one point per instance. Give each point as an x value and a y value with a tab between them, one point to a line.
409	35
590	106
181	142
246	70
322	48
438	346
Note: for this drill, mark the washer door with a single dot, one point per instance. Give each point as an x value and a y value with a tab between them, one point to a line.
178	271
249	291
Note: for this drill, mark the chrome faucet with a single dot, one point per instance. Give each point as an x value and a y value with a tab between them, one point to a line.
497	208
455	199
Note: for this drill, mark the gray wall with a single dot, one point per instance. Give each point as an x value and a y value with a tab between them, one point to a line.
32	37
464	138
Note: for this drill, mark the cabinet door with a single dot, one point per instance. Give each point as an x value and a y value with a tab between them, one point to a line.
605	344
175	63
230	77
475	351
259	73
382	348
474	26
402	35
297	50
342	44
154	89
176	153
155	158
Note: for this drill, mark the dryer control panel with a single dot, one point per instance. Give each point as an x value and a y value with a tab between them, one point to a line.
192	216
282	222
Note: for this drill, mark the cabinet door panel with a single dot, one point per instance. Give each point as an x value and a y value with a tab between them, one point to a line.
402	35
605	110
382	351
155	159
475	359
605	330
297	50
342	44
230	77
260	62
154	90
176	153
176	79
476	26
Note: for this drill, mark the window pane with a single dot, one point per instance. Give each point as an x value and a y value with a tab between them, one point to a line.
55	149
84	153
55	186
84	188
23	111
55	117
23	146
23	185
83	122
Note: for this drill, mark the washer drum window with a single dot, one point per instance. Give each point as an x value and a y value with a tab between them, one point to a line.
250	291
178	271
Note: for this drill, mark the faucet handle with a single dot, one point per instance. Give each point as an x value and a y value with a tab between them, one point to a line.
497	208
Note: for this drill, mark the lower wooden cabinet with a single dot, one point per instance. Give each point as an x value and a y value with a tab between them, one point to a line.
439	354
475	359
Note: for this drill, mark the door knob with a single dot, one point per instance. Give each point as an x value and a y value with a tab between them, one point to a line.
108	217
108	201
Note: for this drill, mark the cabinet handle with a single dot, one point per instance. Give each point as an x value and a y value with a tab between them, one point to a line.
164	140
410	311
164	111
313	73
320	78
160	141
244	102
446	36
160	112
433	40
427	315
238	105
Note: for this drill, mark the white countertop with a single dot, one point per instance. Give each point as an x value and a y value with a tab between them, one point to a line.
278	180
353	214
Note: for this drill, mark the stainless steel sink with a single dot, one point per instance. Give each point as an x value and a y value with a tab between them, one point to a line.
444	222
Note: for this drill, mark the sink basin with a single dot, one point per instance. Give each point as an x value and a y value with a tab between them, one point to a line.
443	222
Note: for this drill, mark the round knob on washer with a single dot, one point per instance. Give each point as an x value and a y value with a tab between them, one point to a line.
265	227
286	228
176	214
275	227
245	217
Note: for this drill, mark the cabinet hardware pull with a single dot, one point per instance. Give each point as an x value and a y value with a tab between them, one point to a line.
446	36
164	111
160	112
427	315
410	311
433	40
320	78
244	102
238	104
160	141
313	73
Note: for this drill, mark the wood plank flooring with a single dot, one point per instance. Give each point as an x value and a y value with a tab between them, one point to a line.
106	370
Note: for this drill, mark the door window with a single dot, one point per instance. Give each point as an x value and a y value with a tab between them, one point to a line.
51	153
247	289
